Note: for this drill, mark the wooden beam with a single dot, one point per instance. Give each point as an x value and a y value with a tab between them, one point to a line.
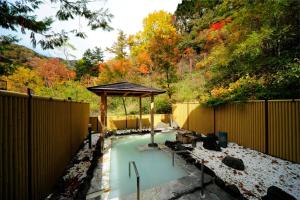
124	95
144	95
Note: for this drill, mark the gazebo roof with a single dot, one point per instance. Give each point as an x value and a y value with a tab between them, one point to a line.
125	89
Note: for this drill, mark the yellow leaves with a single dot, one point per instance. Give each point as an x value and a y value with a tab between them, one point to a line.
22	79
159	22
234	86
219	92
218	56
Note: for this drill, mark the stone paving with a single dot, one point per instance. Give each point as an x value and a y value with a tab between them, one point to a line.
174	189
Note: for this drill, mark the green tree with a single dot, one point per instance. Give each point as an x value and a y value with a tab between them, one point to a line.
187	11
119	47
89	64
20	14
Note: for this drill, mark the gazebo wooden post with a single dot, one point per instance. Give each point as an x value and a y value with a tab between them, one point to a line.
141	126
152	118
103	112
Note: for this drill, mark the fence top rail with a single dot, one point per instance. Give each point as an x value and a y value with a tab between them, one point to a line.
128	116
283	100
247	101
56	99
11	93
18	94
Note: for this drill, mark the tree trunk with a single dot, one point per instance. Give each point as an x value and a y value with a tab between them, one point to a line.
191	64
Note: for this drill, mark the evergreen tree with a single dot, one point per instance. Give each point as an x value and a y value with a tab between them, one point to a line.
119	48
89	64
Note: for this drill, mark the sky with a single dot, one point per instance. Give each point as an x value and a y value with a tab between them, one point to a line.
128	16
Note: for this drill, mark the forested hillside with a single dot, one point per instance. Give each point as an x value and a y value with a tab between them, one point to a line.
213	52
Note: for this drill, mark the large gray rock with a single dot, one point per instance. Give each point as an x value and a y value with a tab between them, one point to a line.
210	143
275	193
234	163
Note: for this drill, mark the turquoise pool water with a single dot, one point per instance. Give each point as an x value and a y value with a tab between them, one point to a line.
155	166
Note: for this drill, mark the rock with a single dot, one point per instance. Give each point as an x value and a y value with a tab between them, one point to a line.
206	169
172	145
179	147
189	148
219	182
234	163
183	154
275	193
186	156
190	160
210	143
233	190
209	171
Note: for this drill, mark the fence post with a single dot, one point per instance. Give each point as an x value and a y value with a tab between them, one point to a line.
214	119
71	132
266	127
188	117
90	135
29	142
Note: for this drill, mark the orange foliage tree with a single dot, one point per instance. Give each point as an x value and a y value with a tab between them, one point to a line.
114	70
144	62
51	70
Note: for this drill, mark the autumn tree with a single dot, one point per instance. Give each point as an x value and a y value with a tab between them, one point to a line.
156	45
22	79
189	53
164	55
118	67
144	63
51	70
245	48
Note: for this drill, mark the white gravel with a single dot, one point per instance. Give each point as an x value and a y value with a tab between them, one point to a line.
261	170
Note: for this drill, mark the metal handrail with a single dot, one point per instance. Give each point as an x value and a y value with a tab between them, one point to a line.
137	177
202	167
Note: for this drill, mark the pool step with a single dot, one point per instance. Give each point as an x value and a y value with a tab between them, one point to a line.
97	193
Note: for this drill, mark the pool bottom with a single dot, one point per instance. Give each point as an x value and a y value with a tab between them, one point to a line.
155	166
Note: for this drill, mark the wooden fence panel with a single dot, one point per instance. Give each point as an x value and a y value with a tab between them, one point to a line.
244	123
119	122
79	121
284	129
200	119
51	144
180	115
13	146
58	127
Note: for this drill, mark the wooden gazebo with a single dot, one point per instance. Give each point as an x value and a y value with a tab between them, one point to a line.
126	89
